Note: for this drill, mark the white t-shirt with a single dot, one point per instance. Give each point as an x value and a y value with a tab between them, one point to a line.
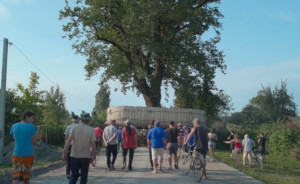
82	135
109	132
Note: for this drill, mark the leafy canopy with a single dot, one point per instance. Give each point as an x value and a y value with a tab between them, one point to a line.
145	44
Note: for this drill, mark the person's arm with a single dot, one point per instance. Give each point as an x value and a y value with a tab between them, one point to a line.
113	137
104	140
135	141
216	137
190	136
33	139
258	140
148	144
180	138
229	142
93	151
67	144
122	139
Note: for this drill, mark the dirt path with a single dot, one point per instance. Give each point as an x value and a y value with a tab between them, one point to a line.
217	172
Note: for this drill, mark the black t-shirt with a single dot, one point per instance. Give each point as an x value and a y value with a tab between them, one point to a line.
172	134
262	142
201	138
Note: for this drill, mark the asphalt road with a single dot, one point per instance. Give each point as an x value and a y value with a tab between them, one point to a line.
217	172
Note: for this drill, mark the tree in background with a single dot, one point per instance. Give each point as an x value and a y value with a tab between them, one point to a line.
54	108
31	98
191	92
12	113
102	103
274	104
146	44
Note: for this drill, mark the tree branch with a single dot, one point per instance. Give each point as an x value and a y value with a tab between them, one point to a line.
107	40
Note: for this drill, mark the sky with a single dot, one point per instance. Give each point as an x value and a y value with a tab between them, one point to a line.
260	40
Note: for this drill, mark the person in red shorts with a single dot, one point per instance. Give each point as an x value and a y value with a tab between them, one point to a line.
22	158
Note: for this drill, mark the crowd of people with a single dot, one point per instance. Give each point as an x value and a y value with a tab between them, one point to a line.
83	143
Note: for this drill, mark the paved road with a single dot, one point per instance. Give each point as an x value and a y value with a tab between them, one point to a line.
217	172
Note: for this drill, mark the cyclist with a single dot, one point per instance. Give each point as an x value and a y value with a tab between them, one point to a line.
201	144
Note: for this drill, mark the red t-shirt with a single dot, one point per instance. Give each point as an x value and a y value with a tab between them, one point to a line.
98	131
129	141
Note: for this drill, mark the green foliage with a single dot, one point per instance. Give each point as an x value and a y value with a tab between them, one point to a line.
12	113
31	98
54	108
274	104
146	44
102	103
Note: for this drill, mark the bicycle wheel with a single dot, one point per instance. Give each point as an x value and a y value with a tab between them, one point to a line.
185	164
197	168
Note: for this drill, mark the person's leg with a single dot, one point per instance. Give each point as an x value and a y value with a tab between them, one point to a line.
175	151
237	158
244	157
250	158
213	153
131	154
108	153
68	166
170	161
160	156
124	157
17	175
84	163
210	152
115	153
75	166
154	157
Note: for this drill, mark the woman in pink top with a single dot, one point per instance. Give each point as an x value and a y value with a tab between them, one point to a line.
237	148
129	142
98	133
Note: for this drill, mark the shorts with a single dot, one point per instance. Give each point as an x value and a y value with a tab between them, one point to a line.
172	148
212	144
157	152
237	150
22	167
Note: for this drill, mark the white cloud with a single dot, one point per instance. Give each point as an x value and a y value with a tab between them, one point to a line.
4	13
285	16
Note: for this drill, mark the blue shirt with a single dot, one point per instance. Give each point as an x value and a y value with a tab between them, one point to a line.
156	136
191	141
23	133
119	135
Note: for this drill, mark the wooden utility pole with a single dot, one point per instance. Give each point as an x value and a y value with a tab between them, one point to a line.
3	96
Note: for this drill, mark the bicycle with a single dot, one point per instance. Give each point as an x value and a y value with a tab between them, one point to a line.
257	159
198	166
185	164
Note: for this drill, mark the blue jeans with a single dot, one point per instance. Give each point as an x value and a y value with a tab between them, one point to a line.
82	164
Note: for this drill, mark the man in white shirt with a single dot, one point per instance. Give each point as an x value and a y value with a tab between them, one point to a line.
109	138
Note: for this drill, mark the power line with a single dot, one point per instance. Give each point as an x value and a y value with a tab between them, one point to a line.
44	73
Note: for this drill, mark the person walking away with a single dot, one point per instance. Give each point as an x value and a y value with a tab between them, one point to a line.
173	136
190	142
109	138
247	145
237	148
150	126
22	158
129	142
83	137
75	120
99	134
186	130
212	139
262	148
232	147
201	146
157	137
119	135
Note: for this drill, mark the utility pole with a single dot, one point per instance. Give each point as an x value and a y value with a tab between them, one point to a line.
3	95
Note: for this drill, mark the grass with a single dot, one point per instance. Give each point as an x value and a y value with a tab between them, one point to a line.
277	169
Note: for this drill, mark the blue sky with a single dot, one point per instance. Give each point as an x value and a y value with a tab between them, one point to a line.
260	39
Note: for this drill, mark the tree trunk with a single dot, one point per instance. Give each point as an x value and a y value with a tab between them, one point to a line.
152	101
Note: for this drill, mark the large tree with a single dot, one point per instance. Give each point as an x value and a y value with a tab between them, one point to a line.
145	44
